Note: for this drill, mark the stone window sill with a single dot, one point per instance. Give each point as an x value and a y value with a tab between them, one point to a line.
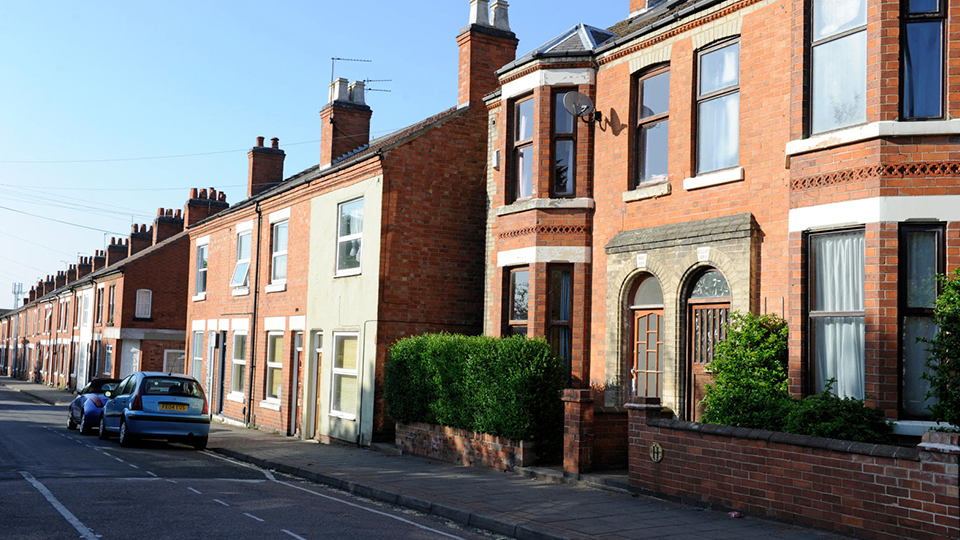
276	287
650	190
235	396
270	403
582	203
240	291
200	297
715	178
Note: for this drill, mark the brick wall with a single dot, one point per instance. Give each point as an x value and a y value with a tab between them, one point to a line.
872	491
465	447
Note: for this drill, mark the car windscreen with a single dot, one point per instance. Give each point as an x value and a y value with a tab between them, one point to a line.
170	386
96	387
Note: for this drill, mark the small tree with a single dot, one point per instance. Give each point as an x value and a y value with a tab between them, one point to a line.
943	365
750	366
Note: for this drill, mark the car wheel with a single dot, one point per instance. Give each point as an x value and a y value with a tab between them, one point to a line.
126	438
84	426
70	423
103	435
199	443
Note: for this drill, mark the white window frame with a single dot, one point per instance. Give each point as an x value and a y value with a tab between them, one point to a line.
85	317
202	264
823	42
336	373
348	238
98	298
271	343
144	304
107	359
245	282
236	362
275	253
196	353
166	359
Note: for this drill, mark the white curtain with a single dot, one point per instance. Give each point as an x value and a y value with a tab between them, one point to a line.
839	340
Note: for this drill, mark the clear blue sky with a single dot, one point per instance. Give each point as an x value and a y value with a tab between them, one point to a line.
112	109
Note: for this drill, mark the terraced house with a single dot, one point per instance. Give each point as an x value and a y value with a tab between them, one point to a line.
297	292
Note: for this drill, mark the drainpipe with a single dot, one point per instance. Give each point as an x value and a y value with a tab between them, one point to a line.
253	324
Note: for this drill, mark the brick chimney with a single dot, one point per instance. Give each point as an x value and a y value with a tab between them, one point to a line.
116	251
266	166
167	224
99	260
345	121
71	273
486	45
202	205
49	285
140	239
61	279
33	295
84	267
637	5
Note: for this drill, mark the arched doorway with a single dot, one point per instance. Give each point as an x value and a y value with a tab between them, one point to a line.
645	361
708	311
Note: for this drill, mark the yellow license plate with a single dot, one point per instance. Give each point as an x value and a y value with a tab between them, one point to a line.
173	407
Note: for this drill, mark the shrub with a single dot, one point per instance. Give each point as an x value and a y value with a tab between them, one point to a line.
943	365
750	370
826	415
509	387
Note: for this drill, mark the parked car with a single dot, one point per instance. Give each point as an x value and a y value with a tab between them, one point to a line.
84	411
154	405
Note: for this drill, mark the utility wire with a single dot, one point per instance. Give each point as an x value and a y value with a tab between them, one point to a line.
60	221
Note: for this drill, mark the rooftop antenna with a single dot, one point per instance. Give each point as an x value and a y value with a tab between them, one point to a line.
367	81
333	64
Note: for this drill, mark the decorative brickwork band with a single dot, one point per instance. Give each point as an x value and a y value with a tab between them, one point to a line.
543	229
943	169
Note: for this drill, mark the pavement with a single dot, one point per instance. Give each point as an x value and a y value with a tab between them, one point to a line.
533	503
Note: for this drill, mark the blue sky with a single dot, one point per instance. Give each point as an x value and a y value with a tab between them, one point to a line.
110	110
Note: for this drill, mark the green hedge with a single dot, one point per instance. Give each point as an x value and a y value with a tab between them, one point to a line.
508	387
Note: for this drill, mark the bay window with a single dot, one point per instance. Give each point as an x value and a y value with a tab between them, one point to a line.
718	107
922	58
517	302
560	318
839	58
564	148
921	259
522	164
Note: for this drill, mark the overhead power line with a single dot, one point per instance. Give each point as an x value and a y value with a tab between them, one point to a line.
61	221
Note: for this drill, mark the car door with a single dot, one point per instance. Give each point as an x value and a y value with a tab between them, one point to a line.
114	408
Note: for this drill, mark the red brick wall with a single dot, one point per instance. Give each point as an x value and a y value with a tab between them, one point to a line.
871	491
465	447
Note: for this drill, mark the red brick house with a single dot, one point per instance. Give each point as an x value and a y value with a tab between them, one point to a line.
297	292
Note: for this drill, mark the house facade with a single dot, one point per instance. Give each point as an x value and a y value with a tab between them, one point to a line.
753	155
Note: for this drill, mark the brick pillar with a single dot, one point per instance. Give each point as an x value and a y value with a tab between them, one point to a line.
639	409
577	431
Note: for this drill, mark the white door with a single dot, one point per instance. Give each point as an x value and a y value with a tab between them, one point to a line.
129	357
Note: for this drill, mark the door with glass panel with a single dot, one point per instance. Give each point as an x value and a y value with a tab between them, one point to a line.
646	352
708	313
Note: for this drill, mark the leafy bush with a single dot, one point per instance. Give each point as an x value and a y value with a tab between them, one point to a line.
509	387
750	370
943	365
750	389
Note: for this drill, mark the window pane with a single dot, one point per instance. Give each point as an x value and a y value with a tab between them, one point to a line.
240	347
524	172
240	274
718	141
656	95
720	68
345	394
524	127
563	170
654	140
243	246
348	257
840	83
915	356
276	349
560	300
834	16
174	363
519	290
839	350
649	293
921	269
563	120
279	267
351	218
197	344
923	6
238	378
346	353
711	285
560	341
922	70
839	273
280	237
274	377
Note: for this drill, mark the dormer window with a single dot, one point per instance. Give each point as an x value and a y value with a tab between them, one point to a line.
564	149
523	149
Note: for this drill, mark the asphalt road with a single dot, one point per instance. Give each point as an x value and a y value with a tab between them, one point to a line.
57	484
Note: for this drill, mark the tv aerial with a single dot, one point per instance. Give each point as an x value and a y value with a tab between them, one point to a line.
581	106
368	81
333	64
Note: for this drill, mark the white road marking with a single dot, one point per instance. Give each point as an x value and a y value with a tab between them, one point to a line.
195	491
254	517
132	465
293	535
272	478
221	502
151	474
84	531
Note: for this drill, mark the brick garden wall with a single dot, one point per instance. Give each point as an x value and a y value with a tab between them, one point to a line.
454	445
872	491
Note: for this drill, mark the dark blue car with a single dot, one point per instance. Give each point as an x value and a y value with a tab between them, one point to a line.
85	409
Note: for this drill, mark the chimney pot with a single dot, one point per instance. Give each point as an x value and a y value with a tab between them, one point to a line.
159	211
480	12
501	16
259	141
203	193
213	194
178	214
222	197
356	92
339	90
275	143
193	193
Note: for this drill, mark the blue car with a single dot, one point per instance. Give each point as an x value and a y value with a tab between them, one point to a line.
84	411
154	405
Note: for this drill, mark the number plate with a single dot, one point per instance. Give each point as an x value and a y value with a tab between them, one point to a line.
173	407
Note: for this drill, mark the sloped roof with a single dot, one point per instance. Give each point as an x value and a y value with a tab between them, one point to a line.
581	40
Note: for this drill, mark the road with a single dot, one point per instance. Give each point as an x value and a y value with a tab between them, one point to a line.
57	484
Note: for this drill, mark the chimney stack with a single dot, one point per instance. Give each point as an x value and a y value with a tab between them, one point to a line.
71	273
116	251
33	295
140	239
84	267
199	208
167	224
345	121
99	260
266	167
61	279
637	5
486	45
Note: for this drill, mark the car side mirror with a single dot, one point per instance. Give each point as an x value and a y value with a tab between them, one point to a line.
108	393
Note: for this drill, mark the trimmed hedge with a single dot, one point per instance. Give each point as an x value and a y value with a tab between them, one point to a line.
508	387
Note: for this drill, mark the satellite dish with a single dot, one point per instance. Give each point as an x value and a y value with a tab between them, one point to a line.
578	104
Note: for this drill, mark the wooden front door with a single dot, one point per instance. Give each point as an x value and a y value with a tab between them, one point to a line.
707	327
646	371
